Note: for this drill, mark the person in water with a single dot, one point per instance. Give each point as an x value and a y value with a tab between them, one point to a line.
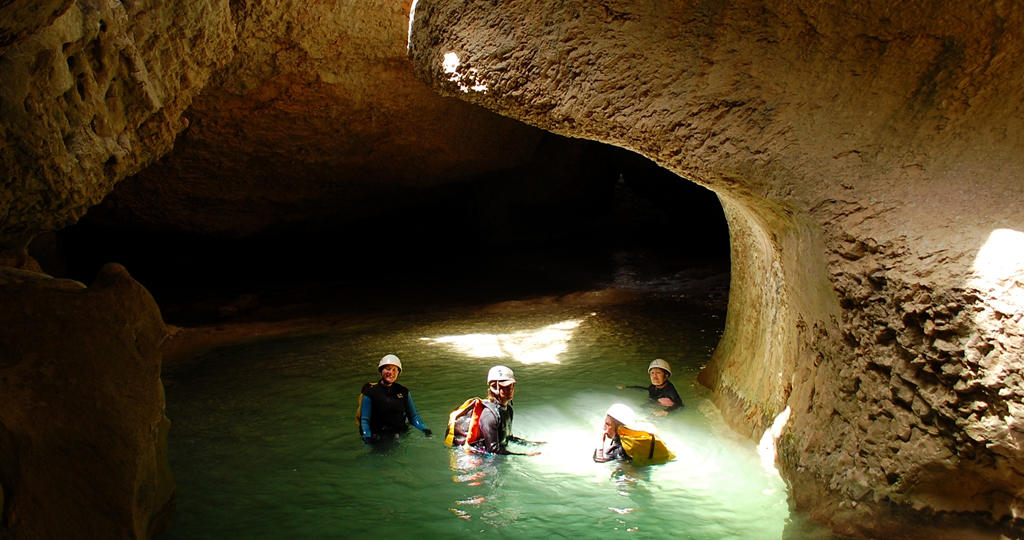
611	445
496	416
661	390
385	405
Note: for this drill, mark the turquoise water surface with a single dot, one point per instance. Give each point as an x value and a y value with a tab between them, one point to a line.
264	441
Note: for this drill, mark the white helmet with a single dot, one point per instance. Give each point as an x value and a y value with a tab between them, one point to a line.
622	414
390	360
659	363
500	374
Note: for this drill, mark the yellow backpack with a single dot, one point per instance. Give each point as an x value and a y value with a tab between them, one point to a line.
464	423
643	447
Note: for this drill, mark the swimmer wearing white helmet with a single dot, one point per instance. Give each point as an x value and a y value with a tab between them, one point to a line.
384	406
618	415
496	417
661	390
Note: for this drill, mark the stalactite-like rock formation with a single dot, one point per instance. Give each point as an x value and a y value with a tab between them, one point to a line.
869	159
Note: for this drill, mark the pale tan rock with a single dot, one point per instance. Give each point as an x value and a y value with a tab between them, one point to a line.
867	155
95	96
20	18
318	119
869	159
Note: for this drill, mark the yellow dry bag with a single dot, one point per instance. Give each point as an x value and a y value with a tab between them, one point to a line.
643	447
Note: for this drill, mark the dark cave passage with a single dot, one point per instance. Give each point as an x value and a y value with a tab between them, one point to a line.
478	240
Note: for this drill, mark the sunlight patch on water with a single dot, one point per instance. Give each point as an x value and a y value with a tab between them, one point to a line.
538	346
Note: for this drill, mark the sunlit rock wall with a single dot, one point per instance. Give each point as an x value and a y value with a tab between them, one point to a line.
93	97
869	159
83	432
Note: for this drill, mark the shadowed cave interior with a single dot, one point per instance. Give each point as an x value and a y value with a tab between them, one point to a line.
455	243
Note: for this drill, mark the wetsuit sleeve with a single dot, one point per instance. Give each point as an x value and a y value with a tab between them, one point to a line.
674	396
364	418
414	417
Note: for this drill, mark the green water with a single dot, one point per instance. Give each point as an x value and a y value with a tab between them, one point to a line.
264	442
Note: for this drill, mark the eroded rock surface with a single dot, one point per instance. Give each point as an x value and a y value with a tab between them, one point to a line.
94	97
866	155
317	119
83	432
21	18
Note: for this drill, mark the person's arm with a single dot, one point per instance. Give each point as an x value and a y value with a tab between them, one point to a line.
521	440
671	398
414	417
623	387
364	420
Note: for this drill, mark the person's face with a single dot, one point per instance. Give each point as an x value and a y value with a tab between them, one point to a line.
503	392
658	376
389	374
609	427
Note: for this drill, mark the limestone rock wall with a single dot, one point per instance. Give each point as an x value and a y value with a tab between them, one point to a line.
94	96
316	119
226	118
868	156
21	18
83	431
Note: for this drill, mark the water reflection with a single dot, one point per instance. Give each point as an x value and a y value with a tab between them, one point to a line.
471	470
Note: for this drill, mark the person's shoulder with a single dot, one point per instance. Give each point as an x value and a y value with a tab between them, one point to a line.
400	388
490	407
367	387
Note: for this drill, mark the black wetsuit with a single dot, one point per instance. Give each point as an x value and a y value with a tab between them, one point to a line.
668	391
495	428
387	408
